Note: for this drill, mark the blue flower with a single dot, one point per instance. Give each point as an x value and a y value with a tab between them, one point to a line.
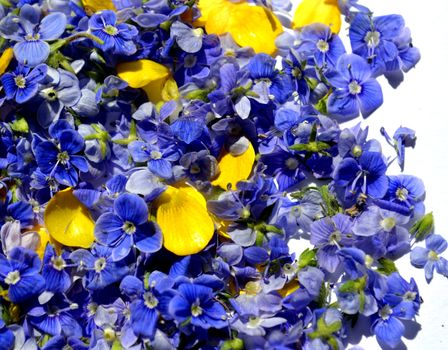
407	190
388	328
355	89
196	303
159	158
54	271
101	270
20	272
55	317
117	38
329	234
366	175
60	89
319	43
403	296
147	303
373	38
60	160
429	259
269	83
31	36
23	83
402	139
127	227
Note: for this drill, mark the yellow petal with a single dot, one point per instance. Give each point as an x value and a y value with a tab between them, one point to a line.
98	5
68	221
162	90
253	26
289	288
5	59
318	11
235	168
139	74
182	215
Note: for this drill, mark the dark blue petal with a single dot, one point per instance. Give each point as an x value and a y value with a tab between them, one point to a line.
132	208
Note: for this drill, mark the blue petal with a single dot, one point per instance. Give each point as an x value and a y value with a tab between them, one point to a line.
419	256
108	229
143	319
148	238
342	107
132	208
436	243
161	167
27	287
186	37
31	53
370	98
187	129
261	66
131	286
389	332
9	85
52	26
71	141
80	163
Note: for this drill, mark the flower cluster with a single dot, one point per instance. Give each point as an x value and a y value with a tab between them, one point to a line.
158	157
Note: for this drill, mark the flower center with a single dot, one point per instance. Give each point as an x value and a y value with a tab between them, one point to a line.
129	228
190	61
150	300
372	39
388	224
357	151
111	30
292	163
100	265
409	296
297	73
195	169
50	94
335	237
323	46
20	81
58	263
433	256
196	310
254	322
109	334
32	37
63	157
253	288
12	277
156	155
354	87
402	194
385	312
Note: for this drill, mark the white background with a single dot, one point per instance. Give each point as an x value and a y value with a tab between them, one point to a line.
420	103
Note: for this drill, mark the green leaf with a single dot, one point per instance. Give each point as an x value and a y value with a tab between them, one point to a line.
325	330
331	203
348	287
307	258
386	266
423	227
313	147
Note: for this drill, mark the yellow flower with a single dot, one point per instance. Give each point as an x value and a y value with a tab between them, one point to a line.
68	221
98	5
182	215
249	25
5	59
235	168
152	77
318	11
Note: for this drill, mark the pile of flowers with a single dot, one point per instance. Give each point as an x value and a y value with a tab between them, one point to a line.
157	158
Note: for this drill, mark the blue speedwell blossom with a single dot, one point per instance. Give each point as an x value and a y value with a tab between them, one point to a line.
159	160
31	34
355	89
127	227
22	85
117	37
